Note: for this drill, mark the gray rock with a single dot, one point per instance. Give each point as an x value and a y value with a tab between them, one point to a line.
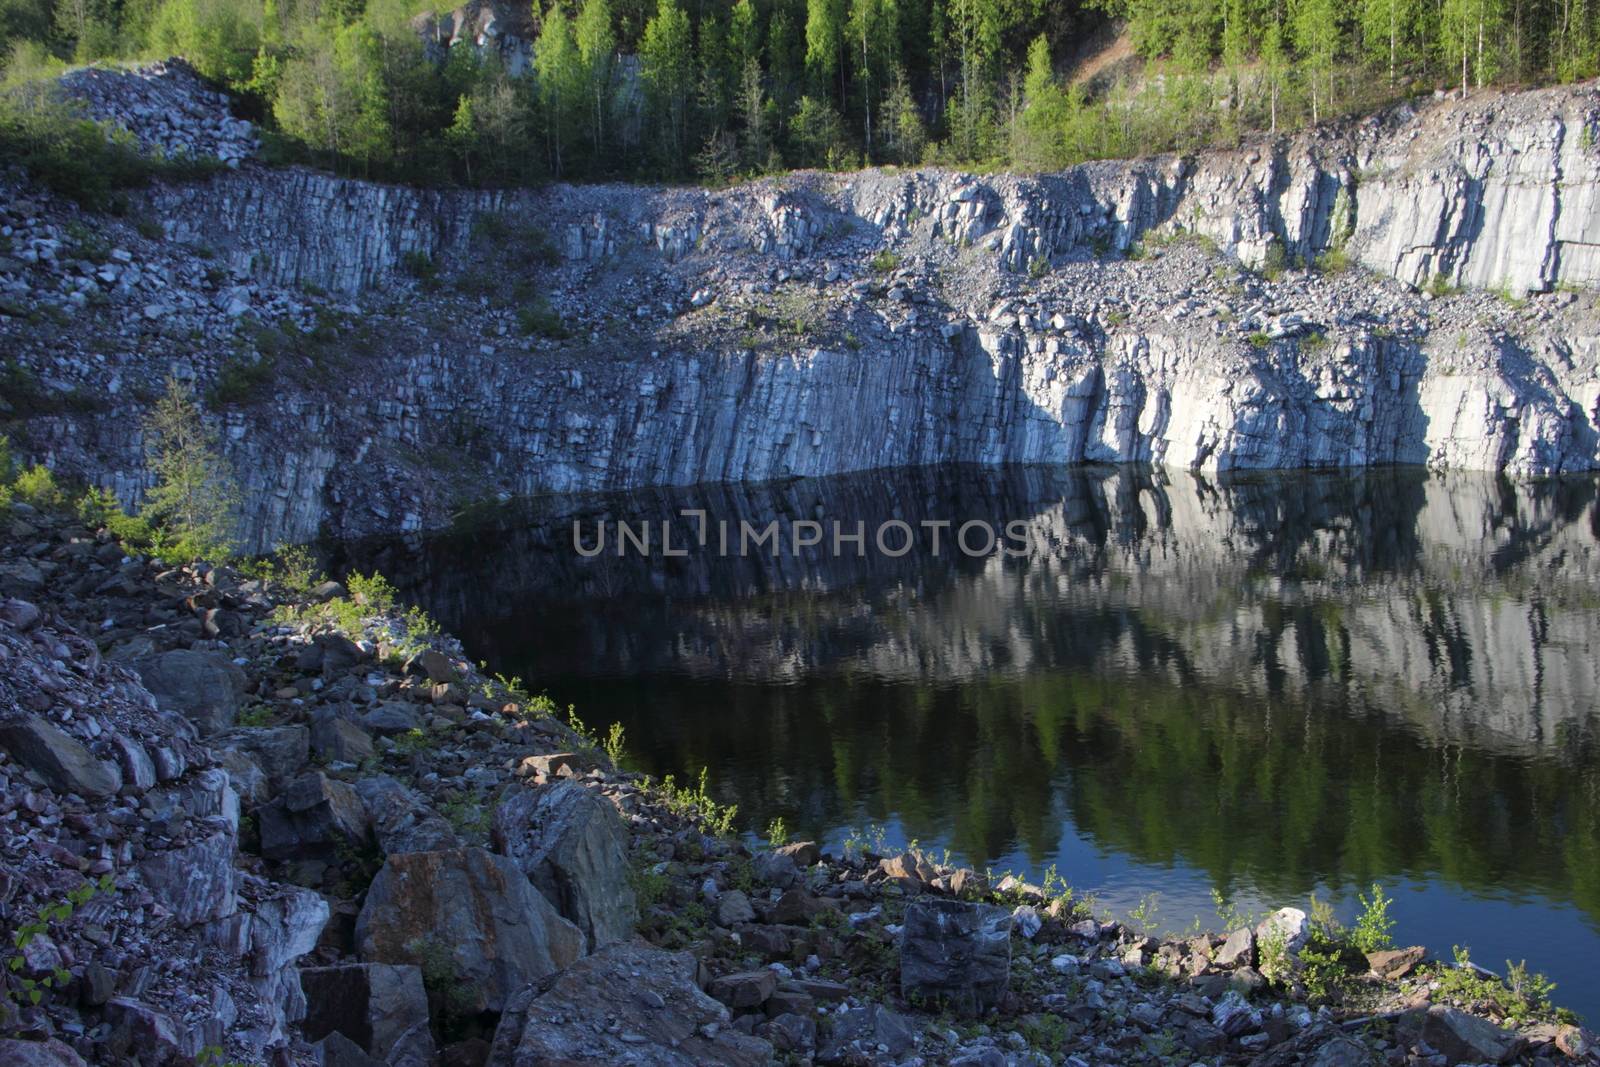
280	751
47	1053
60	760
402	820
659	1015
196	882
372	1004
470	910
314	817
338	740
1461	1037
744	989
1239	949
572	843
859	1033
336	1050
205	687
733	908
955	954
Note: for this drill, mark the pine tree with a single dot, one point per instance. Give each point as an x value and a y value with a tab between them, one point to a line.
193	501
1036	140
744	36
1317	39
824	30
463	134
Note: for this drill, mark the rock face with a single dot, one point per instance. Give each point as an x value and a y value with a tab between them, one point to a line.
575	848
959	355
474	910
659	1016
956	954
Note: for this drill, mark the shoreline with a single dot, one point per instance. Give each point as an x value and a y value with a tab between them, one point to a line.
355	733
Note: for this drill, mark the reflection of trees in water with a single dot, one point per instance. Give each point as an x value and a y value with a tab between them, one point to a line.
1280	679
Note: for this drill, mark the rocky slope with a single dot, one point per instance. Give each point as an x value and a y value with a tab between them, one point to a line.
382	356
375	855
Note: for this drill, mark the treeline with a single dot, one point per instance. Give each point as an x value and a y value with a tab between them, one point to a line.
712	89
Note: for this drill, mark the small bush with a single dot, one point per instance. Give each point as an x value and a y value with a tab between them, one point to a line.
539	319
1373	929
242	381
884	262
37	487
1039	266
421	266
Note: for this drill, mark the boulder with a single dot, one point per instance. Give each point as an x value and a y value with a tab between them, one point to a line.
1462	1038
312	819
733	908
402	820
1288	926
196	882
955	954
744	989
657	1015
68	767
338	740
854	1036
205	687
574	846
1396	963
391	719
372	1004
46	1053
471	910
280	751
1238	950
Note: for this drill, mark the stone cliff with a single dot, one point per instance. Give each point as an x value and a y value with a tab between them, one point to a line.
382	356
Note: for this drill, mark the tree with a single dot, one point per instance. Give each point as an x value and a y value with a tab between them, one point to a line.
1317	39
193	501
1385	29
1466	27
975	27
873	35
818	133
331	96
463	134
666	66
596	46
562	85
743	35
1036	142
824	30
1275	67
906	133
755	146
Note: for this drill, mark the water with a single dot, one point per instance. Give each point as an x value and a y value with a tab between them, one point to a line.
1266	686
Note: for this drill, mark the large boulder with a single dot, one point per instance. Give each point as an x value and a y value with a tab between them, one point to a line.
1461	1037
47	1053
312	819
402	820
955	954
572	843
64	764
472	911
205	687
375	1005
196	882
280	751
657	1015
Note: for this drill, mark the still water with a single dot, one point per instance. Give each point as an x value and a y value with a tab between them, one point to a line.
1264	685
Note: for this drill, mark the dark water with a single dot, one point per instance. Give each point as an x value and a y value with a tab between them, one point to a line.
1263	685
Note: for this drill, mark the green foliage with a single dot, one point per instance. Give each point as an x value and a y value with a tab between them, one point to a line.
884	262
450	998
36	486
1374	927
1521	998
698	804
1259	340
191	506
421	266
613	744
777	832
538	319
31	991
100	510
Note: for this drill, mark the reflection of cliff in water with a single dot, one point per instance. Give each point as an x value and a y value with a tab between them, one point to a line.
1281	680
1462	605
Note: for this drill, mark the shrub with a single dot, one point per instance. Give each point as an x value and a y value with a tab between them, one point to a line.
37	487
539	319
884	262
1372	932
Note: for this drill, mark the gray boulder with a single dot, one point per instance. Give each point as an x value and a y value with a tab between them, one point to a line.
196	882
372	1004
955	954
315	815
338	740
472	911
660	1016
856	1035
280	751
1461	1037
47	1053
572	843
60	760
205	687
402	821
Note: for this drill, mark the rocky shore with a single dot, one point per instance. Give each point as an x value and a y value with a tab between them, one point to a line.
267	818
